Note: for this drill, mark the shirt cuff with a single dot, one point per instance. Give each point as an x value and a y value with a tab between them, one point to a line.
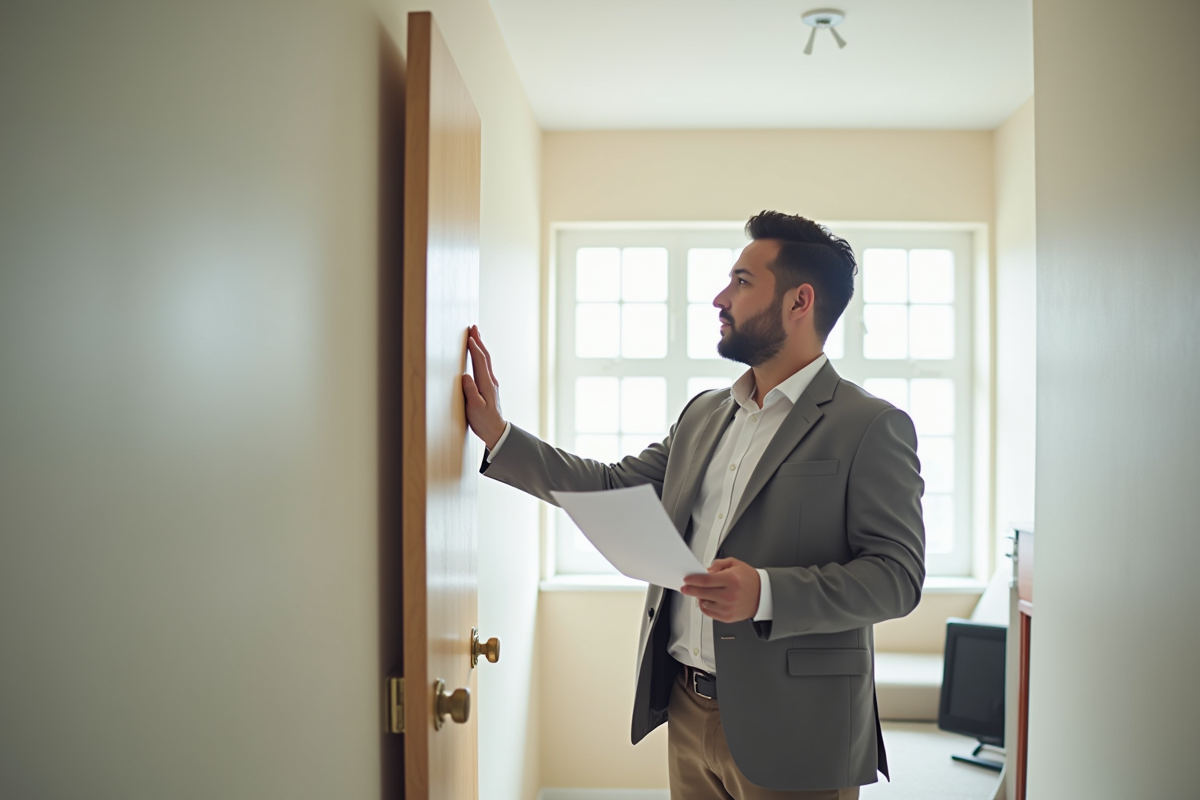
766	609
500	442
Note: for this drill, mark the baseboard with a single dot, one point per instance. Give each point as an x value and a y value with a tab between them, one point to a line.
604	794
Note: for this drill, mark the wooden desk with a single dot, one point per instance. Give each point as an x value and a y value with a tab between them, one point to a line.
1024	552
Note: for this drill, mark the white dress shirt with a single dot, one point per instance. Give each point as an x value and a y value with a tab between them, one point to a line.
737	454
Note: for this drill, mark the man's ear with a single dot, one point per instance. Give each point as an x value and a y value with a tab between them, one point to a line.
802	299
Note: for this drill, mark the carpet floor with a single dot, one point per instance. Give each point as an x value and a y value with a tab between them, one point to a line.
919	756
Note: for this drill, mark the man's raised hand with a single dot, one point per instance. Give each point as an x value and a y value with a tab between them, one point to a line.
482	392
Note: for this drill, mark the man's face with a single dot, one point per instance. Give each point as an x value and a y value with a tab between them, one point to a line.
751	319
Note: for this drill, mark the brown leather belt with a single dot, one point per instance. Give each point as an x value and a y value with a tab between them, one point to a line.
701	682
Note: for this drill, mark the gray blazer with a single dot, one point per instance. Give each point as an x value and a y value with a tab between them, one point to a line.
833	513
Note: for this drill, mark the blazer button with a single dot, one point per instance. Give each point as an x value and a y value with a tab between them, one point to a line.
650	613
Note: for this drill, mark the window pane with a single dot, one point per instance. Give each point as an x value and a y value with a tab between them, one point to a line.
643	405
894	390
580	541
931	331
596	330
886	334
596	405
644	274
644	330
707	272
597	274
835	345
634	443
703	331
939	522
930	276
601	448
931	402
937	463
885	276
697	385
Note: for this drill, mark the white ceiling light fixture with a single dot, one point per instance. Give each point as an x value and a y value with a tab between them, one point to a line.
827	18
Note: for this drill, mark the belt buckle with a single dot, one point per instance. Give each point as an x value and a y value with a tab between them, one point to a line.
696	685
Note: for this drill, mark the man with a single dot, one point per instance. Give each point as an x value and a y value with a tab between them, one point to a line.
803	493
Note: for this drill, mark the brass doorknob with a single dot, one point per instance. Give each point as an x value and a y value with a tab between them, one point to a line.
456	705
489	649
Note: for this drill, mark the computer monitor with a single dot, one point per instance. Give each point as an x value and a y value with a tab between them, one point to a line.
972	701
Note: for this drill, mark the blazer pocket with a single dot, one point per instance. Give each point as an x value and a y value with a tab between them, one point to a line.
805	663
808	468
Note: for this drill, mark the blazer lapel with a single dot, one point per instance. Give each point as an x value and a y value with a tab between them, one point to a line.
716	424
795	427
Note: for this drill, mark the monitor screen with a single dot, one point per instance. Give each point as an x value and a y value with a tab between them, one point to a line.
972	700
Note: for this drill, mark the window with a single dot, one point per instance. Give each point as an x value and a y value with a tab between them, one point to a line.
636	339
907	337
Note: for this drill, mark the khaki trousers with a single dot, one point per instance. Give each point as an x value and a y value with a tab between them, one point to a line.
701	767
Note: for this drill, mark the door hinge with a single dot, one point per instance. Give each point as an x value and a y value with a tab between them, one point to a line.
395	705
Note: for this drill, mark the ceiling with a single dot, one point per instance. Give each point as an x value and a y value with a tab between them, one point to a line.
669	64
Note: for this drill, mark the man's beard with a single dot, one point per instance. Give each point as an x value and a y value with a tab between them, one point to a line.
755	340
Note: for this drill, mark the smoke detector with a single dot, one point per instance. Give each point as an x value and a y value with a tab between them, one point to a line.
823	18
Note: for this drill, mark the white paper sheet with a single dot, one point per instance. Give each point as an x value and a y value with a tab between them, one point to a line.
632	530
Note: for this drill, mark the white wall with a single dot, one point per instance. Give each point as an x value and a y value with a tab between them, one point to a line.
934	176
187	408
188	585
1015	303
1116	636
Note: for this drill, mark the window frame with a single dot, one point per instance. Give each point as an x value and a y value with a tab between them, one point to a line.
972	372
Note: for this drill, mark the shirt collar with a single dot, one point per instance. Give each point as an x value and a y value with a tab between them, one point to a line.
791	388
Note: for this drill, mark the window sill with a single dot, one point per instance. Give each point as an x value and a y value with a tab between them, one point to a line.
591	583
619	583
956	585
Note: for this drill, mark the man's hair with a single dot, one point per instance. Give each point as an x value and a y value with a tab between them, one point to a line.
809	253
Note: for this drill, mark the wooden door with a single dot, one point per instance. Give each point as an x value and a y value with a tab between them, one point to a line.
432	456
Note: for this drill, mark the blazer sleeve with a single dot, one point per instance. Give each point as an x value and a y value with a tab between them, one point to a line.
886	535
531	465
